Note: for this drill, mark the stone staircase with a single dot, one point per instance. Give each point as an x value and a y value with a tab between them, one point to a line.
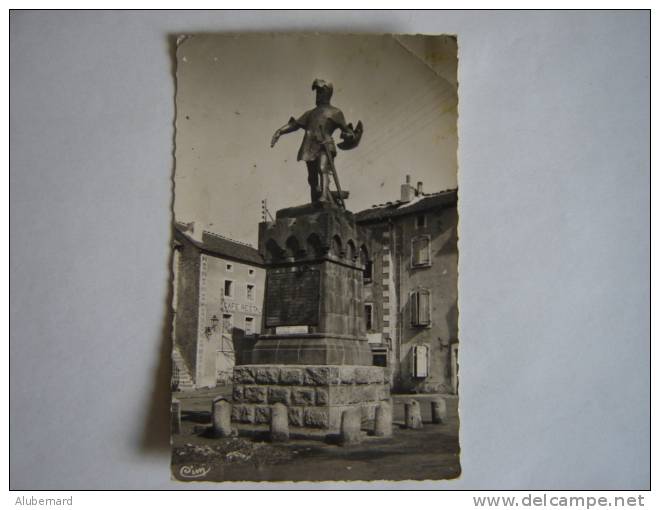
181	378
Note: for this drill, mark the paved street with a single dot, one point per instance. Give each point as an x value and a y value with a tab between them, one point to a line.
427	454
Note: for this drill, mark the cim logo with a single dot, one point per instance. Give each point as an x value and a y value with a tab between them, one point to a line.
194	471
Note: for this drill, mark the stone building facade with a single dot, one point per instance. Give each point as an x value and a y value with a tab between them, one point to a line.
410	288
218	301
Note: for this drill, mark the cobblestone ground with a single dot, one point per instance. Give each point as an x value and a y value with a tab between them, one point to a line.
431	453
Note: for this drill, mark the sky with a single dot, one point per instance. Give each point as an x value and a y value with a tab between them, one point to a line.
234	91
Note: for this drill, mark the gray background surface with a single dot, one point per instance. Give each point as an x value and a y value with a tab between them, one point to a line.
554	205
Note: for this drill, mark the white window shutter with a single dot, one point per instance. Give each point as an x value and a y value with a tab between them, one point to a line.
420	360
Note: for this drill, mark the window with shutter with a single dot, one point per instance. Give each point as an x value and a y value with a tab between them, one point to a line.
420	307
421	361
414	314
424	308
420	251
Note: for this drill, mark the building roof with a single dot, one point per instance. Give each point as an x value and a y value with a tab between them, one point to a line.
217	244
423	202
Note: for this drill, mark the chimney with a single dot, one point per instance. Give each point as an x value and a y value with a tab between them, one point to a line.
419	188
407	191
195	230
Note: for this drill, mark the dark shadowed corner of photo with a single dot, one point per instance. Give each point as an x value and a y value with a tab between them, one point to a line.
156	434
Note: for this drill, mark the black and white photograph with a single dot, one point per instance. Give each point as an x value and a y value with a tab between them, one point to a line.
315	329
255	253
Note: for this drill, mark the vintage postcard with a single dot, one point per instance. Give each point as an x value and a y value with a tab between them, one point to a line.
315	331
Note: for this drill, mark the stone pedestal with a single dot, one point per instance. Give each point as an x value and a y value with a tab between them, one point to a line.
313	354
314	313
315	396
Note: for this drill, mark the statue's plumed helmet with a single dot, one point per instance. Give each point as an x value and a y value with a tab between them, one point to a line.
323	87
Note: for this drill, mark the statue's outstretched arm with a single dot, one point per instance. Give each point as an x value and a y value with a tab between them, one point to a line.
289	127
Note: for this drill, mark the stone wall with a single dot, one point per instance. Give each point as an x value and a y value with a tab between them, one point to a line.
315	396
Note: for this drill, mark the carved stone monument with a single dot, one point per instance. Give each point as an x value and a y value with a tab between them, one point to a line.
313	354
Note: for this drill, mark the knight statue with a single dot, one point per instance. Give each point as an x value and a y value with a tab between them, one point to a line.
318	148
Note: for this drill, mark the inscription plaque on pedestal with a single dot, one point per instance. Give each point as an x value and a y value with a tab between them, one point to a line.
292	297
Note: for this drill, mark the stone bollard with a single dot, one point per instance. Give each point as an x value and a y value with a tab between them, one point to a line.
279	423
413	415
383	426
351	423
221	417
438	410
175	410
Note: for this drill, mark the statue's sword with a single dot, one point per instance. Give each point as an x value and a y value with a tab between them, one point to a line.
340	200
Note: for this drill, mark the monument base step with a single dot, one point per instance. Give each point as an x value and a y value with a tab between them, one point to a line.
311	349
315	396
